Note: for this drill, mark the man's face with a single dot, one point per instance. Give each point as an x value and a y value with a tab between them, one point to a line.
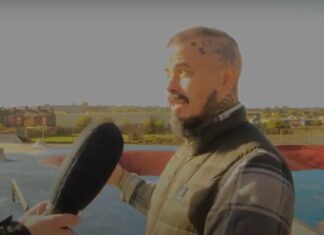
192	78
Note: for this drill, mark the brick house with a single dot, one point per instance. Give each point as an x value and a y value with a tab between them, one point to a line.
16	118
31	117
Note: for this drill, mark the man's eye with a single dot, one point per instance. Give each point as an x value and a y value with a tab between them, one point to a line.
185	73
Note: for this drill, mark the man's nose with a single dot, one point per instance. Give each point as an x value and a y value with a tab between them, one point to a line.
173	84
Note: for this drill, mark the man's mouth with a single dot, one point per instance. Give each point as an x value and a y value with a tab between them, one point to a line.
177	99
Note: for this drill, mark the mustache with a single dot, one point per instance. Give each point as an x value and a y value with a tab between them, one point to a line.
178	96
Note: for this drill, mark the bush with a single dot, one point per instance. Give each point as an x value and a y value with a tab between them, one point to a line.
160	139
83	121
34	132
66	131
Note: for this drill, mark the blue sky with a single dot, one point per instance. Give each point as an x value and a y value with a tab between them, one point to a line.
64	52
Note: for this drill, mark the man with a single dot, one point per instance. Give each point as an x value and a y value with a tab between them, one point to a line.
34	223
226	178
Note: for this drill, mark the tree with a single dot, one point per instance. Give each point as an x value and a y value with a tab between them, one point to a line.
83	121
153	126
125	126
315	122
276	124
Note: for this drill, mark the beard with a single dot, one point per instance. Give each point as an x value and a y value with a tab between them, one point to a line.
186	128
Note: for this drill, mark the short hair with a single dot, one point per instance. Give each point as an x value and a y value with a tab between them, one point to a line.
228	48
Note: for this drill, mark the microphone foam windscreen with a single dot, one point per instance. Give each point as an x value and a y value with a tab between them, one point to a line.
86	170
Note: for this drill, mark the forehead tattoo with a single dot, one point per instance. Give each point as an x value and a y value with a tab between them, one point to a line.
223	48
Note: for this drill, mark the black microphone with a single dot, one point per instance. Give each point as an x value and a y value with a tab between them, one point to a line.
85	171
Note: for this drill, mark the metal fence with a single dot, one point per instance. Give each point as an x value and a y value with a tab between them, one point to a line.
300	136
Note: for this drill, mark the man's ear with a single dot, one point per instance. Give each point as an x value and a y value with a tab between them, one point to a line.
228	78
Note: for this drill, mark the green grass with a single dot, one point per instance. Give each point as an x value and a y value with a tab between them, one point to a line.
146	139
57	139
159	139
125	137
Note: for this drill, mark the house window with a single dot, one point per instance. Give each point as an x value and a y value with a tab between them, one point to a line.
44	121
18	121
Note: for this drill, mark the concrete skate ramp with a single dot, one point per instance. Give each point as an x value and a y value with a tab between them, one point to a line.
152	163
299	157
